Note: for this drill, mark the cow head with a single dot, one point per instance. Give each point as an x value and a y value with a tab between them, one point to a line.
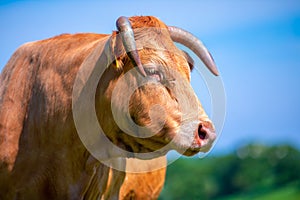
152	103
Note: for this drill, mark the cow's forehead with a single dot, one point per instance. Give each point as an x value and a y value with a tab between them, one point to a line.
148	38
161	49
155	46
169	60
153	37
158	40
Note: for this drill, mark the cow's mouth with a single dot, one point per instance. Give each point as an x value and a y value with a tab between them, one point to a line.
200	141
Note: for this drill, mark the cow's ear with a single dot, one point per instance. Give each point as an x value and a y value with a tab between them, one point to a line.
189	59
118	63
117	51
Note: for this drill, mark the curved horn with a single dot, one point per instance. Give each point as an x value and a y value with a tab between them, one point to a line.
189	40
124	27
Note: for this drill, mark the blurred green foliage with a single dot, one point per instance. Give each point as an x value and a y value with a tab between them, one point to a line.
251	172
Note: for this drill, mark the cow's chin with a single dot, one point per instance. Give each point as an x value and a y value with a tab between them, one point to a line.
183	139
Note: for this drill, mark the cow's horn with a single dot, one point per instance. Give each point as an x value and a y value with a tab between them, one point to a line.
127	35
189	40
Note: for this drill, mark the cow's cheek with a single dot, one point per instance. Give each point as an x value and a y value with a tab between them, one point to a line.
153	106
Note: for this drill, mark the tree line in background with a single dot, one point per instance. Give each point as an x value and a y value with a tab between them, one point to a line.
251	172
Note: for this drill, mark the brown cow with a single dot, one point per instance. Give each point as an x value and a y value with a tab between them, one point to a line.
45	145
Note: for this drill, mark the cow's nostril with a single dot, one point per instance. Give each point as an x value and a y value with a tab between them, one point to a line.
201	132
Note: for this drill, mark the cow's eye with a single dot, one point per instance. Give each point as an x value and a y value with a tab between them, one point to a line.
154	73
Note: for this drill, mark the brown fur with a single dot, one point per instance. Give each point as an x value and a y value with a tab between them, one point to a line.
41	155
144	185
36	119
139	185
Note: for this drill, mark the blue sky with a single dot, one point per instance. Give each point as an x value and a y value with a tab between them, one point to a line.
256	45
